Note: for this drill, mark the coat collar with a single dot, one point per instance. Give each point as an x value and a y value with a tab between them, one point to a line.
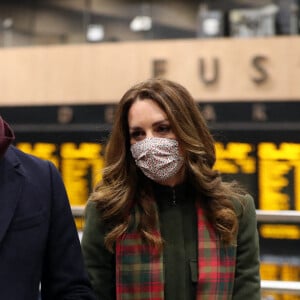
12	176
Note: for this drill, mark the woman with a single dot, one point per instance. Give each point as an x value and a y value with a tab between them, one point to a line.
162	224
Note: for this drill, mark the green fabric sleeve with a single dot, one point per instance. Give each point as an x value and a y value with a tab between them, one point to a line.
247	277
100	263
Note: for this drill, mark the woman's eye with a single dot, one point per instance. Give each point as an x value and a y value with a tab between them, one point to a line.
136	134
164	129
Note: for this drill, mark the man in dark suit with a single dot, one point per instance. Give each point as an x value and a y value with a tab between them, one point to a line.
39	244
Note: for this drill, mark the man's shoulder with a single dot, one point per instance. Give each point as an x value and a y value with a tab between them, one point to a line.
32	167
23	156
28	163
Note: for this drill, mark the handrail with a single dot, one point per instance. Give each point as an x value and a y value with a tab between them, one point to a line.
275	216
78	210
281	287
279	216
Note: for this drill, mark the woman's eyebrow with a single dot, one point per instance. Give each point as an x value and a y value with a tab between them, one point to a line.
160	121
135	128
154	124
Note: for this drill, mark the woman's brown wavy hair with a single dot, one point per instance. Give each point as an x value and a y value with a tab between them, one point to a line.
123	186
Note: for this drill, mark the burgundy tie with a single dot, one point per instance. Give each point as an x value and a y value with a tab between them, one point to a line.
6	136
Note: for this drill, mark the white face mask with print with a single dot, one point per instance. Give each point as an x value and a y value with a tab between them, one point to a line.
158	158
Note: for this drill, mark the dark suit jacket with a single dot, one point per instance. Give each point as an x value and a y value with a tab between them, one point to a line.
39	245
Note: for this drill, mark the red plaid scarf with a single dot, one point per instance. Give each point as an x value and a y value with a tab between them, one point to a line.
139	268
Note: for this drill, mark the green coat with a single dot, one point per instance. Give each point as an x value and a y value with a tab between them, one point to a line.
178	226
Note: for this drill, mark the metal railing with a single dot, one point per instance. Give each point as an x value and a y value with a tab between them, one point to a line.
271	216
281	287
278	216
281	216
78	211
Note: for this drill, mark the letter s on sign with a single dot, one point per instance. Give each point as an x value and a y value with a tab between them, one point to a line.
257	63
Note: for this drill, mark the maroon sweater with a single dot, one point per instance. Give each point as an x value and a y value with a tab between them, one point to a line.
6	136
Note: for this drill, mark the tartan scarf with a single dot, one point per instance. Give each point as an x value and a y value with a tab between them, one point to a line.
139	267
6	136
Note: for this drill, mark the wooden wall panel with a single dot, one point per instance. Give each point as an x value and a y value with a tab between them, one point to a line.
101	73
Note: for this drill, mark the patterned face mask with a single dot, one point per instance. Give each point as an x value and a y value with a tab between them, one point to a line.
158	158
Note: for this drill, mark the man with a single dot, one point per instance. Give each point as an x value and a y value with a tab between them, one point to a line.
39	245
